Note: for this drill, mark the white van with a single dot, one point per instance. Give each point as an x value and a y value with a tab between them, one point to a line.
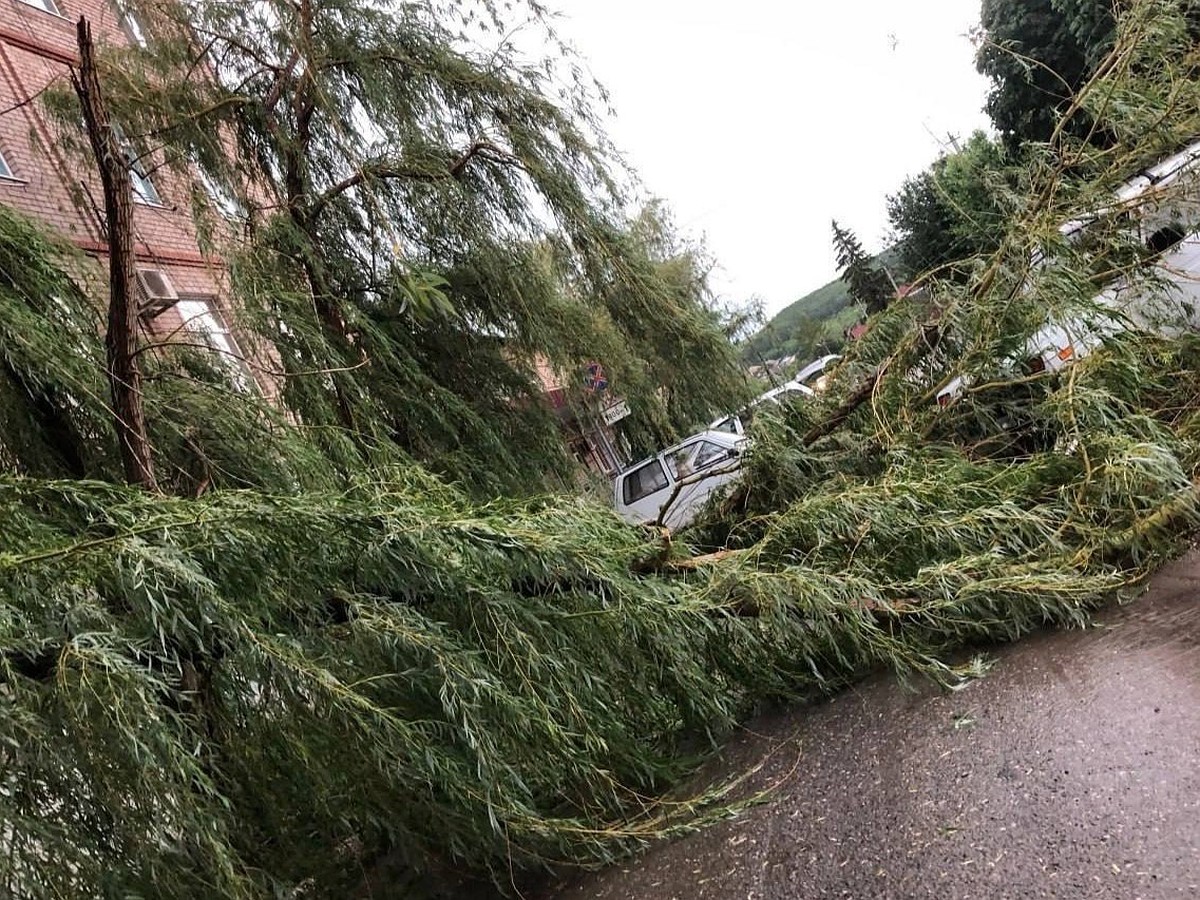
1169	308
682	478
1162	206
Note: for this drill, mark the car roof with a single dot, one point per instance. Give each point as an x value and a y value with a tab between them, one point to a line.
717	437
788	387
816	366
1160	174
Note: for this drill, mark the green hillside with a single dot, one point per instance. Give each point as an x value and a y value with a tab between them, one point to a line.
810	326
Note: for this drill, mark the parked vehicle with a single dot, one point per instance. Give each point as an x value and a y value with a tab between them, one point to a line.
736	423
685	476
1054	346
1161	207
813	375
681	479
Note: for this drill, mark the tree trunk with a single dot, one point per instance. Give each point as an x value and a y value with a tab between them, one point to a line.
121	339
861	395
299	201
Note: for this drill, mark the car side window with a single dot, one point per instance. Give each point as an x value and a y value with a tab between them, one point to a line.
682	462
710	454
643	482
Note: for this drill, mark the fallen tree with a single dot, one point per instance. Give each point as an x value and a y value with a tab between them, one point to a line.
335	675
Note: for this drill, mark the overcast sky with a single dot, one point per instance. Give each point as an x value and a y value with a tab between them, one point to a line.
758	121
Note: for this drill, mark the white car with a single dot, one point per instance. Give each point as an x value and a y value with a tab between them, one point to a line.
813	375
674	484
736	422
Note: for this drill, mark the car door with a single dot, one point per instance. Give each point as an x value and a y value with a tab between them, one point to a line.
700	467
643	490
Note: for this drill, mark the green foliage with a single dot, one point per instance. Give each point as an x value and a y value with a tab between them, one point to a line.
823	303
348	677
955	210
866	282
1038	53
54	397
190	713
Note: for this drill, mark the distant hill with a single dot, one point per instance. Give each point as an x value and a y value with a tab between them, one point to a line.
802	326
811	325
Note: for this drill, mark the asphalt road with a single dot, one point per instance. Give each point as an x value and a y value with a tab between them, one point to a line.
1071	771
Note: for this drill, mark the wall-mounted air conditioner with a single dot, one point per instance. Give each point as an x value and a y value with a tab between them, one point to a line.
157	291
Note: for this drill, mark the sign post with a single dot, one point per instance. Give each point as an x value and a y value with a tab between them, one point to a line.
615	412
594	378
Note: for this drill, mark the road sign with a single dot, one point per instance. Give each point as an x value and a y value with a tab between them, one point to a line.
615	412
594	378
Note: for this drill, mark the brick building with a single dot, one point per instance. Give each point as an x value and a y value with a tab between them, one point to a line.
182	287
589	434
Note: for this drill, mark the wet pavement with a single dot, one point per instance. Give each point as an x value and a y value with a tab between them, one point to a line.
1071	771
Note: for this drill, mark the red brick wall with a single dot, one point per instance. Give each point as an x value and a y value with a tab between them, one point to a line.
61	187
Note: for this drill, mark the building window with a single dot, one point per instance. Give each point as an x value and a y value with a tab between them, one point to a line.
227	204
202	319
144	190
45	5
5	169
132	26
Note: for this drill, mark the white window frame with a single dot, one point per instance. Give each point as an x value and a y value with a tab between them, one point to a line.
46	6
202	317
129	23
655	464
144	191
226	204
6	170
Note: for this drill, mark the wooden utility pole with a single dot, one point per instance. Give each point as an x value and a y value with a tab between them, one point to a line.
121	339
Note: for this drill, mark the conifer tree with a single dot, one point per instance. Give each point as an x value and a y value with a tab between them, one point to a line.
868	284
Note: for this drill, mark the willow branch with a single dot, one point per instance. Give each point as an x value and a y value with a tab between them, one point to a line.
383	170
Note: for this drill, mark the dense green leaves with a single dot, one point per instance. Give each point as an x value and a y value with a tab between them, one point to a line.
1038	53
955	210
348	677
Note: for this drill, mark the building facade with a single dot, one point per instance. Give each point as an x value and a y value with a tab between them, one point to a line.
590	434
184	290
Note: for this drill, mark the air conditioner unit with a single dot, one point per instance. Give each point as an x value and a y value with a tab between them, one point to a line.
157	291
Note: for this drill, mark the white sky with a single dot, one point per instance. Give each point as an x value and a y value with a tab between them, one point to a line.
758	121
